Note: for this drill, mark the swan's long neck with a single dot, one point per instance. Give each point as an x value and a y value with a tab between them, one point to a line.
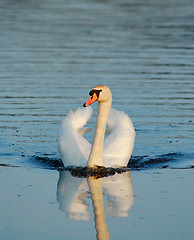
96	153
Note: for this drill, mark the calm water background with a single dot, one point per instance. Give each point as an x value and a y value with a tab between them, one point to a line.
51	54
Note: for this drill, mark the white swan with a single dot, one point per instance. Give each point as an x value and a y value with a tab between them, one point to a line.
114	151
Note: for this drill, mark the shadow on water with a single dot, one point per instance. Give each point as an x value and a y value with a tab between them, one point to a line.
136	163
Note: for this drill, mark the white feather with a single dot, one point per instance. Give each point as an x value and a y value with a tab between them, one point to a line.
118	146
75	149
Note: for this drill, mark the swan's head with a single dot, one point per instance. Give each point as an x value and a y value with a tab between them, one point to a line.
99	93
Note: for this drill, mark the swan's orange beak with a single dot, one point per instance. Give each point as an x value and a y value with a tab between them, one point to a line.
91	100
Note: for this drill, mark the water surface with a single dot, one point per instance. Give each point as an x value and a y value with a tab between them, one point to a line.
52	54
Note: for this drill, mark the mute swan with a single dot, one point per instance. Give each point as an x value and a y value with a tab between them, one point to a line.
114	151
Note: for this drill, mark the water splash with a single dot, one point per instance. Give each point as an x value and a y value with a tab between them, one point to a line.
136	163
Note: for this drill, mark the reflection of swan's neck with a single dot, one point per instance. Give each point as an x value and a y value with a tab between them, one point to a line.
95	186
95	157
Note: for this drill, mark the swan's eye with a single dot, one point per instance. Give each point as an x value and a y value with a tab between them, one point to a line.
97	92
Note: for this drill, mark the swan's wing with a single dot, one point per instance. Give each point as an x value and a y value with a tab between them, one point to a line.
73	147
118	146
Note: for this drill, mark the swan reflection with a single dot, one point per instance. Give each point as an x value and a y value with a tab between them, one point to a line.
73	194
120	196
95	186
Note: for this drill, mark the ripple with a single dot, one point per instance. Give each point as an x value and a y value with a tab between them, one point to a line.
136	163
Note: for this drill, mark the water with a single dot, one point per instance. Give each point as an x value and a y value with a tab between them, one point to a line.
52	53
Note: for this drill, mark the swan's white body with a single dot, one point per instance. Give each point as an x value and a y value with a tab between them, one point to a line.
116	149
